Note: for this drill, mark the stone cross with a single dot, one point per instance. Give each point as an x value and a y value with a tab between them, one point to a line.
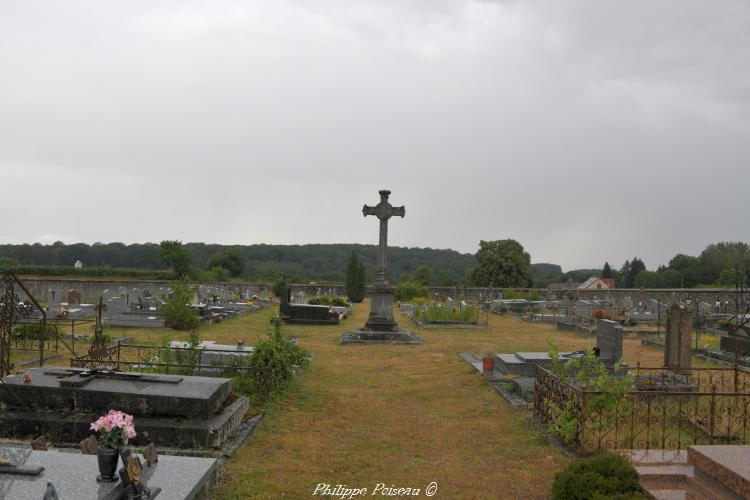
383	211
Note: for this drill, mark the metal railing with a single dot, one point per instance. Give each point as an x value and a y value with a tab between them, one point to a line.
663	411
160	359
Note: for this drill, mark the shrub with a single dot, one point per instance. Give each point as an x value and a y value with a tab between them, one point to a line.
437	312
30	331
408	291
328	301
179	314
604	476
271	366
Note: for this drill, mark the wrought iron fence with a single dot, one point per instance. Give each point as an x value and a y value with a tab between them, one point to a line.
664	410
164	359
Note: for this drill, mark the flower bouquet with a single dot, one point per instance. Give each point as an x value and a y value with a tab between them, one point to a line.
114	428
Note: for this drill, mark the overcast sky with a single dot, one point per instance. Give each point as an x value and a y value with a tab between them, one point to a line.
587	130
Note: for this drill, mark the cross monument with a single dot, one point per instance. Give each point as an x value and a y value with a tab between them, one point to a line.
380	326
383	211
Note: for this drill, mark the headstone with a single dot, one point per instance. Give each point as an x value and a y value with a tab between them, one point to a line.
74	297
54	299
677	345
609	341
449	305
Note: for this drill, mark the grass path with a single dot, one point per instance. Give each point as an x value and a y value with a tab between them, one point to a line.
403	416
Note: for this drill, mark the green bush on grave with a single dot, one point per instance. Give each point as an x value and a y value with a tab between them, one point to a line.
271	366
435	313
603	476
325	300
408	291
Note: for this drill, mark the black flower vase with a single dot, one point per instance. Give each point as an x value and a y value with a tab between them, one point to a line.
107	458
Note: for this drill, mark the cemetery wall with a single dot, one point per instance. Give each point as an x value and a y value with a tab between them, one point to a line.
91	289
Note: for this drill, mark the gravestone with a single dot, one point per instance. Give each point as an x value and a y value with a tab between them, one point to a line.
449	305
74	297
380	326
609	341
54	299
677	345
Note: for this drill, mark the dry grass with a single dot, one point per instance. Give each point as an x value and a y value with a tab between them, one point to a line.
406	416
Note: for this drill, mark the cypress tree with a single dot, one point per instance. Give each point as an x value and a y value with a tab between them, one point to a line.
355	279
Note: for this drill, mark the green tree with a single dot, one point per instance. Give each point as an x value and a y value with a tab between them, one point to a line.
720	256
423	275
445	278
233	260
671	278
176	256
648	279
6	262
355	279
607	271
630	270
689	268
502	263
178	313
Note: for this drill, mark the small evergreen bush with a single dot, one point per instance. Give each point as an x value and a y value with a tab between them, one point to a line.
603	476
271	366
179	314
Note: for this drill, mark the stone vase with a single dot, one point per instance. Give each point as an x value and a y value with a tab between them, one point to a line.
107	458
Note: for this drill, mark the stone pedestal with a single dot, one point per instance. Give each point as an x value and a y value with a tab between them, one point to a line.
381	327
381	309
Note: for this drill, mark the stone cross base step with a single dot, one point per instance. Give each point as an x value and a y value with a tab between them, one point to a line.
397	336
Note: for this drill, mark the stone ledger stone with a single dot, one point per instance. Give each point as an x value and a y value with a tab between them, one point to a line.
176	411
74	476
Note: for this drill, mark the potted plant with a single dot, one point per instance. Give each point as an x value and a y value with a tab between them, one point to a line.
114	428
488	361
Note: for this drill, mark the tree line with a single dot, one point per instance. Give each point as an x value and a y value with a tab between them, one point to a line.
719	265
213	262
499	263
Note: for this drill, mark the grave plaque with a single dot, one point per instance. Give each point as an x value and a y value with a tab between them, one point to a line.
89	446
40	443
150	455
